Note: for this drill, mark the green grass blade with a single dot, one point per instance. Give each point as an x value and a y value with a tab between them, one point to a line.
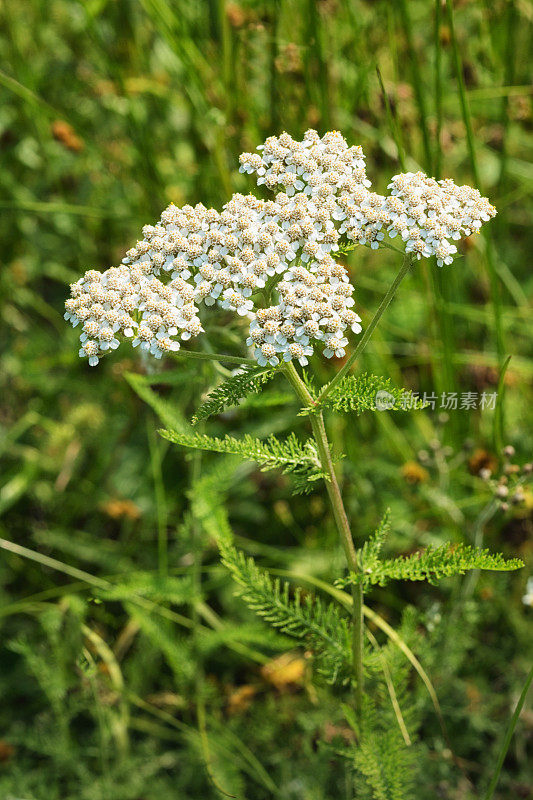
467	121
508	736
499	413
392	122
463	99
414	60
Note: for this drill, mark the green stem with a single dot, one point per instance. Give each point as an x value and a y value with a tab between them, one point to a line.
160	499
343	526
237	360
438	89
406	265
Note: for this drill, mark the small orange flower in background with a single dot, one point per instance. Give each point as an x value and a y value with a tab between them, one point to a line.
285	671
332	732
7	751
474	696
65	134
241	698
236	15
482	459
444	35
404	92
414	473
116	509
289	59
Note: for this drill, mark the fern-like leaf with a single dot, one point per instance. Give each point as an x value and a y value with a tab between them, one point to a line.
386	765
370	551
369	392
290	455
247	380
430	565
320	626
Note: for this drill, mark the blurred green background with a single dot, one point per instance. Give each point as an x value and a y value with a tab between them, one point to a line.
111	109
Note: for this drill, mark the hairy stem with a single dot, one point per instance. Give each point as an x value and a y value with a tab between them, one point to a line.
404	269
341	521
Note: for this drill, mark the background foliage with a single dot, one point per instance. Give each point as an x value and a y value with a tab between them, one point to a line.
129	670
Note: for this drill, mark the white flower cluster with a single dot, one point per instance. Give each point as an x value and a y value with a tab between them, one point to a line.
104	302
252	249
427	213
317	166
329	172
315	304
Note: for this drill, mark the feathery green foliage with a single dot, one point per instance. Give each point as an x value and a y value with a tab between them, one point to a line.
207	498
431	564
301	461
319	625
174	647
167	589
369	392
247	380
371	549
387	765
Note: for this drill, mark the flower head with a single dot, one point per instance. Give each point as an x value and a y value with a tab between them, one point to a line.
284	247
429	215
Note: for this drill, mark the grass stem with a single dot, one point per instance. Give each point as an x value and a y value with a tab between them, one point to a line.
508	736
154	444
414	61
438	91
392	123
467	121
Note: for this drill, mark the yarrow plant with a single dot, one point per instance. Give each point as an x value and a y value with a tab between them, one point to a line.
275	264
